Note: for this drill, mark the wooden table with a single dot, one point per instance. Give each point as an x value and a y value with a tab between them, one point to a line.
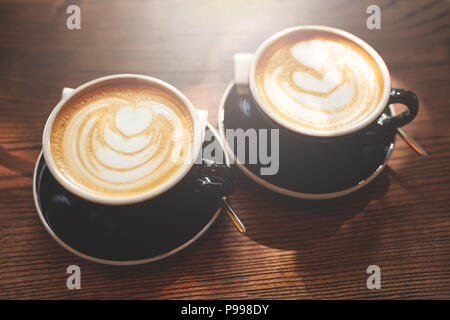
294	249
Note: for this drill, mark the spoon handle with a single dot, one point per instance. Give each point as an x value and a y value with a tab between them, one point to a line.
412	143
233	216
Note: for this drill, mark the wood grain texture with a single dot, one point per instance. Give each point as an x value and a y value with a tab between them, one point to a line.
294	249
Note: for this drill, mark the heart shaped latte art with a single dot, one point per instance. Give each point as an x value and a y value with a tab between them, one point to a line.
320	84
131	121
117	144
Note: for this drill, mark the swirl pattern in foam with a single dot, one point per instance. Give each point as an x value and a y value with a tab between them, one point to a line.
319	82
122	140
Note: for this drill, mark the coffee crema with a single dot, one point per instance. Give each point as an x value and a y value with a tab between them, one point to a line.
122	139
318	81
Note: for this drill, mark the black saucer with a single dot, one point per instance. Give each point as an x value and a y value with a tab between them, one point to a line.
123	235
306	169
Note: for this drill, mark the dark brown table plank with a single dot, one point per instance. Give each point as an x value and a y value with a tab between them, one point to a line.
294	249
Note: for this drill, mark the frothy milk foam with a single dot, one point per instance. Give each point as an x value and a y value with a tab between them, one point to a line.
318	81
122	139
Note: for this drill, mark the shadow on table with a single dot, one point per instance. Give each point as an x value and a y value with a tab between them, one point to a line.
14	163
297	224
331	242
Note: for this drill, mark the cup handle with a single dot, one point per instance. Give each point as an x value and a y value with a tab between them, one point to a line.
203	115
65	91
214	180
406	97
242	63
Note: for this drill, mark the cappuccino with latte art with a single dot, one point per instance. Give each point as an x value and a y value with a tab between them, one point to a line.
318	81
122	138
